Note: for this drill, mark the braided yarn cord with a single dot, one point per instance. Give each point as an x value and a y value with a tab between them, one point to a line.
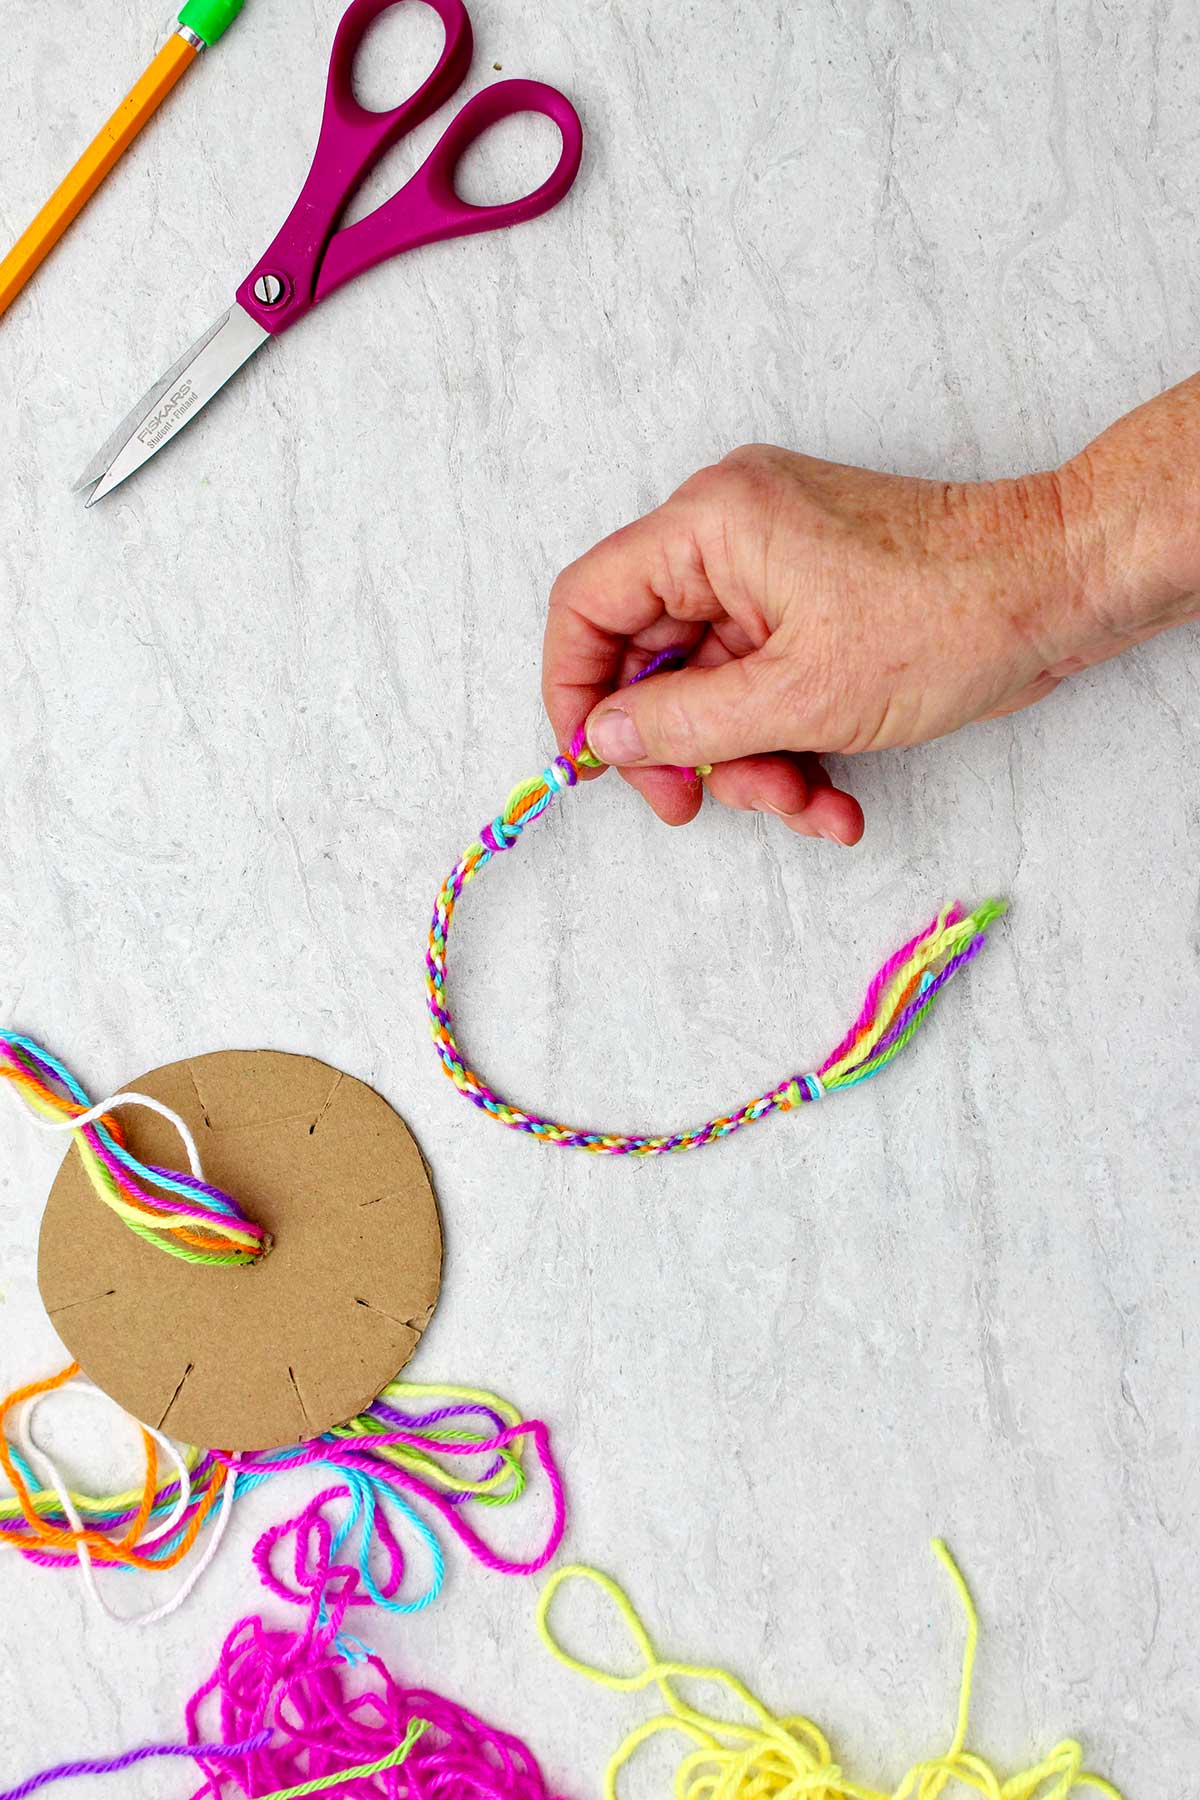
897	1003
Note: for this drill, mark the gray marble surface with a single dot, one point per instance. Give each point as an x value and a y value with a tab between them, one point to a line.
255	706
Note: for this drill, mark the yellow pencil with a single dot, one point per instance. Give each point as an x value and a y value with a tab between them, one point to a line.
200	24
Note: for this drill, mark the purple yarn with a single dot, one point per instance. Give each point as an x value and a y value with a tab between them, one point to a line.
110	1765
673	655
166	1497
392	1415
414	1421
923	1000
193	1183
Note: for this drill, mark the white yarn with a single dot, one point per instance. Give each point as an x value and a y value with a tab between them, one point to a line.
106	1106
35	1454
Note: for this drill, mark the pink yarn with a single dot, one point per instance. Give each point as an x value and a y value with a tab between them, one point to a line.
348	1457
880	981
326	1715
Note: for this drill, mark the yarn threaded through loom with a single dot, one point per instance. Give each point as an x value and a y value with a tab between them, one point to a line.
295	1721
181	1214
418	1445
897	1003
765	1757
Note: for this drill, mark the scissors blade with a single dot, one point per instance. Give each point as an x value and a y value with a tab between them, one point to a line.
173	401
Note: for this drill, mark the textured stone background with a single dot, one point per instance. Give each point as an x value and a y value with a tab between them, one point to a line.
255	705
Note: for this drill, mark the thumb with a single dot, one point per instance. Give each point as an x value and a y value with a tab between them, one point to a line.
695	716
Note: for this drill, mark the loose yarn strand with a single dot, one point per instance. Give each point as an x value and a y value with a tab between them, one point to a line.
33	1451
362	1772
898	1000
764	1757
178	1213
297	1716
402	1456
225	1753
323	1717
54	1542
113	1765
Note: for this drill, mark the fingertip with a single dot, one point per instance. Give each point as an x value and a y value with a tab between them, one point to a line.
675	795
773	783
832	815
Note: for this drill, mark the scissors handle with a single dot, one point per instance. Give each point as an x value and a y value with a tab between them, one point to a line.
309	258
351	141
428	208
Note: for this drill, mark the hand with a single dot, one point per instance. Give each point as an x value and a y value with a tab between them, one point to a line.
823	610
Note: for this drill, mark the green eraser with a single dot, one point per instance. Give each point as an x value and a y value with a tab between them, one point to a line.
209	18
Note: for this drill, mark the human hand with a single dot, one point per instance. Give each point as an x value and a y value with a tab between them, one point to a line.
822	610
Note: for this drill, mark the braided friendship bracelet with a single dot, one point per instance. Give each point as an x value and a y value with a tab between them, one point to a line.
898	1000
181	1214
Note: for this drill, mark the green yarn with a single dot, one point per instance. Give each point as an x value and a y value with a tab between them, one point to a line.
362	1773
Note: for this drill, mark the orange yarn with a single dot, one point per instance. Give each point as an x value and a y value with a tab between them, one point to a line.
104	1549
33	1091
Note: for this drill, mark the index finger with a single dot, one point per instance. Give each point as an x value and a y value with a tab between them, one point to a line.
610	614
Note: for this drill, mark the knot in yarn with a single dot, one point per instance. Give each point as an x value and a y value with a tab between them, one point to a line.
501	834
801	1090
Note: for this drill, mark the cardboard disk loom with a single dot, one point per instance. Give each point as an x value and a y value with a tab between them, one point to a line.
279	1352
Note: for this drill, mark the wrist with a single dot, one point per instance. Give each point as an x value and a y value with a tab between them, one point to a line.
1027	537
1131	519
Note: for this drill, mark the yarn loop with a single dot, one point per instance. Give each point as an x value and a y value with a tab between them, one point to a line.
420	1449
329	1725
764	1757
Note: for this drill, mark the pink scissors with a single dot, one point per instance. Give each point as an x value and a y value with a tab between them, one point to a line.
310	258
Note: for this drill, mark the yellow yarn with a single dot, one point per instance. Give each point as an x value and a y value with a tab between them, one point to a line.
931	954
45	1500
505	1483
139	1218
769	1758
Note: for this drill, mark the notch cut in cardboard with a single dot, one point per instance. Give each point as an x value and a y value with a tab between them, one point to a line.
281	1351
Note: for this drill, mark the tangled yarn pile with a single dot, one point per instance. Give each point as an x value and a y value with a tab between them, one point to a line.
296	1682
295	1716
764	1757
444	1448
179	1213
897	1003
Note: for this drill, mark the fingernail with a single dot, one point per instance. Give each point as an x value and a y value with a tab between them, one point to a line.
796	820
614	737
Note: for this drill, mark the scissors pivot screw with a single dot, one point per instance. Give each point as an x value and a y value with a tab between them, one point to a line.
269	290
